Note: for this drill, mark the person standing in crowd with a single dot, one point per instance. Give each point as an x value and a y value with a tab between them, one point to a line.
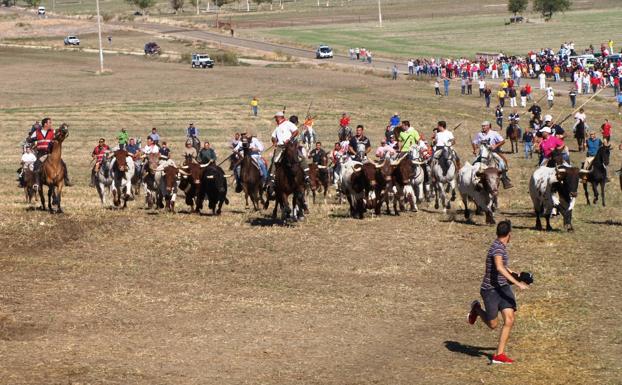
573	97
446	85
550	96
606	131
437	88
487	93
528	142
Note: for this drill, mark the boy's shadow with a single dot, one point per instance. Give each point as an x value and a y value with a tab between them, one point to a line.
470	350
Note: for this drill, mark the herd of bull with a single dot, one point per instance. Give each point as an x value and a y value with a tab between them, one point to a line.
367	185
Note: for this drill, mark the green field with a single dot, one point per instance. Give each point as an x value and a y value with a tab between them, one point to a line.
458	35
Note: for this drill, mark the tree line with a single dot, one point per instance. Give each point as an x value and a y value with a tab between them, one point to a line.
546	7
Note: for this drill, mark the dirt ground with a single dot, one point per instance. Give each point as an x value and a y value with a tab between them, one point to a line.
99	296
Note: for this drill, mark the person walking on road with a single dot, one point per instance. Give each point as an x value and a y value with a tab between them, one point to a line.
394	72
497	292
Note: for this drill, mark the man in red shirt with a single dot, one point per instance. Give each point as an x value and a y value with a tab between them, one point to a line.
606	131
528	90
98	155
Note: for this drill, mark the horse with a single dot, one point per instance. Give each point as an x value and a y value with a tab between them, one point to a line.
597	174
579	134
289	180
420	171
318	177
250	177
196	143
52	173
444	179
513	133
28	181
103	179
122	172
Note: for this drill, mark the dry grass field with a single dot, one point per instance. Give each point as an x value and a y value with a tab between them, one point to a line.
99	296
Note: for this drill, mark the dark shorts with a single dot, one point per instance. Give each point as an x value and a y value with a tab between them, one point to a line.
498	299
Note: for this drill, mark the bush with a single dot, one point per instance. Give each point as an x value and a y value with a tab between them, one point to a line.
225	58
185	58
106	17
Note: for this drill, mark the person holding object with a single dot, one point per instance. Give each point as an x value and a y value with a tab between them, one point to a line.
497	293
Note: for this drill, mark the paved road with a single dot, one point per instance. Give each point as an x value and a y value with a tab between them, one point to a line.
237	42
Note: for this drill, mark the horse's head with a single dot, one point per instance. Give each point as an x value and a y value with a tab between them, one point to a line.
62	132
121	160
152	160
605	153
291	151
485	152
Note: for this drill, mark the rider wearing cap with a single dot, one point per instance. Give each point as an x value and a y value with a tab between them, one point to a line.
284	132
495	141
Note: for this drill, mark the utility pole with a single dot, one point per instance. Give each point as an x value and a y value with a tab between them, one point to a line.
379	15
99	31
198	5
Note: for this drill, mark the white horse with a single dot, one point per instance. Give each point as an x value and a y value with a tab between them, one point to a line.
104	179
444	179
421	189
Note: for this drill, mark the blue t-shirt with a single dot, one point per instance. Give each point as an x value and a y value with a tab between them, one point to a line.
395	120
619	98
593	145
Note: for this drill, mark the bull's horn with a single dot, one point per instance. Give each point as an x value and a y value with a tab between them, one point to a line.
182	172
357	167
228	176
185	167
210	177
378	166
321	167
583	172
418	163
205	165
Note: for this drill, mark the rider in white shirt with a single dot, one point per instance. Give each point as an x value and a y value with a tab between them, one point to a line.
284	132
443	138
494	141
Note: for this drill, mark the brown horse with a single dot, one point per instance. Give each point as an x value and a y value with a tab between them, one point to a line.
250	177
289	180
513	133
28	178
52	173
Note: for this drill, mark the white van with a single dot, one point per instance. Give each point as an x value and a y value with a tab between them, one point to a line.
41	11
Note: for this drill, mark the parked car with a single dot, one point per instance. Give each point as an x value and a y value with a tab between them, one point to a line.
72	40
202	60
41	11
152	48
324	52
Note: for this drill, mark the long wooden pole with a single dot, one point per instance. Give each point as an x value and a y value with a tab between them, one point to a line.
581	106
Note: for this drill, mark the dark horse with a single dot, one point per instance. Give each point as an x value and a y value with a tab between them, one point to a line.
289	180
52	172
513	133
250	177
598	174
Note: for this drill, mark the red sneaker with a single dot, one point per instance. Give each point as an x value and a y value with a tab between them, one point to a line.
501	359
472	316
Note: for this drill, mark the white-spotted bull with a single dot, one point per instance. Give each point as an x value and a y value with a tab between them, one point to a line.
554	188
167	180
122	169
480	185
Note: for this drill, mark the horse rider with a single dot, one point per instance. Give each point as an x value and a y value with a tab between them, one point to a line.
192	131
132	148
360	145
155	137
151	147
256	148
344	127
514	119
535	110
28	160
98	156
408	138
190	153
593	144
444	141
285	132
207	154
123	139
317	154
385	150
495	141
43	137
309	137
